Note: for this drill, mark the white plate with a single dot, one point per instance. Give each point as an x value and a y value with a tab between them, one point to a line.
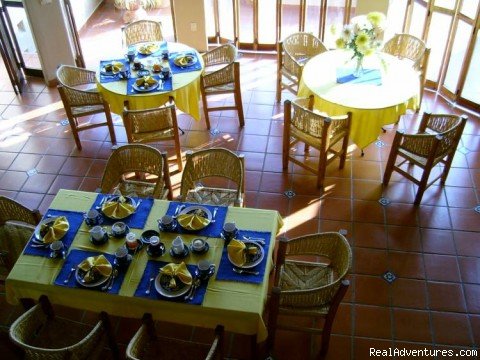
193	61
144	89
258	257
164	291
79	276
193	208
148	49
50	220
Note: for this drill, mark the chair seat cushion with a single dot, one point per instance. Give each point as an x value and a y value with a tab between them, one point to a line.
137	189
213	196
143	137
420	160
220	88
87	109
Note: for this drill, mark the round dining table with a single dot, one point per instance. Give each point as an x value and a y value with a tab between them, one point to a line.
185	86
388	88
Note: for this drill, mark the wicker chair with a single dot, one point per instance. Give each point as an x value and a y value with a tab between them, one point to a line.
42	335
292	54
146	344
16	226
81	100
221	76
142	31
305	287
215	162
406	46
127	164
316	130
435	143
153	125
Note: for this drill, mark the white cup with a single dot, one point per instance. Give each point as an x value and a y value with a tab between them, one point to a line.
97	232
131	240
177	245
198	244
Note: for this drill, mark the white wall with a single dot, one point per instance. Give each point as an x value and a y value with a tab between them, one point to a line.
188	12
83	9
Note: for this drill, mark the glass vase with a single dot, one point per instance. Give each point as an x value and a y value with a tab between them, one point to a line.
358	69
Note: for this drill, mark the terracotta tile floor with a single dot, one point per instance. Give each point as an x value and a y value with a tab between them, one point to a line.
433	250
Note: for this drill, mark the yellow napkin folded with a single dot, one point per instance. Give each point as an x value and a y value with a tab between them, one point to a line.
117	209
146	81
179	271
55	231
192	221
94	266
237	252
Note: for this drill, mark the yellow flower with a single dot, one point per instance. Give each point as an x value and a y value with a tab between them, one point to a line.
362	39
340	43
376	18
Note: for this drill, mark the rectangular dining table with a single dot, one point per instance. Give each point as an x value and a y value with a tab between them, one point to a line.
238	305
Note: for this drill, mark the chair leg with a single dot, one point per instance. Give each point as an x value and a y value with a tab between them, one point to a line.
343	157
279	88
111	129
446	169
422	186
322	164
112	343
205	110
73	126
239	105
273	318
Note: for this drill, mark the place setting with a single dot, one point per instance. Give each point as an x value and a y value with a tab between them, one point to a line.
54	234
184	61
175	282
96	271
244	255
114	70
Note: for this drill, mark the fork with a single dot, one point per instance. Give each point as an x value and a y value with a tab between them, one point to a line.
149	285
69	275
243	271
254	239
112	280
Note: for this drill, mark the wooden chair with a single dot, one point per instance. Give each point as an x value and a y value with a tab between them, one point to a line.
406	46
17	224
435	143
42	335
307	287
317	130
221	76
153	125
125	166
215	162
146	344
142	31
292	55
77	88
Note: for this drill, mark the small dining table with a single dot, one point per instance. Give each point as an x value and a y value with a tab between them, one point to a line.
234	300
185	81
387	89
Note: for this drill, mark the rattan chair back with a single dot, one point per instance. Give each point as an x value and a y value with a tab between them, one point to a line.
78	100
221	76
130	161
17	223
303	124
146	344
153	125
208	163
435	142
292	54
42	335
142	31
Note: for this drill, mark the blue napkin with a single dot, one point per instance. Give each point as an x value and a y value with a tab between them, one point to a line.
137	220
163	46
212	230
225	267
74	258
113	77
182	69
167	86
369	76
152	270
75	220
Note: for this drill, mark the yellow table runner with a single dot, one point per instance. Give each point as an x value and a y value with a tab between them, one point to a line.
238	306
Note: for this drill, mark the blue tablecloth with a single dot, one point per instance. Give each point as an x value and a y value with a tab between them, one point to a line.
137	220
167	86
212	230
152	270
181	69
74	258
225	268
369	76
113	77
75	220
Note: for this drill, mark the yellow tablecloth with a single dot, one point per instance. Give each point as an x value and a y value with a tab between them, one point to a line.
372	106
238	306
186	90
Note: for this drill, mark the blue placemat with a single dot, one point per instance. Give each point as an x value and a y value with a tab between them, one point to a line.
225	267
182	69
114	77
369	76
74	258
163	46
137	220
167	86
75	220
152	270
212	230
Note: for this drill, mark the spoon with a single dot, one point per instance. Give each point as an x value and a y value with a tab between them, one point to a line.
149	285
72	270
243	271
214	214
257	240
112	280
195	285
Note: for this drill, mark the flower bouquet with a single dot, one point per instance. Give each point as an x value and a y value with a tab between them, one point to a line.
362	36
